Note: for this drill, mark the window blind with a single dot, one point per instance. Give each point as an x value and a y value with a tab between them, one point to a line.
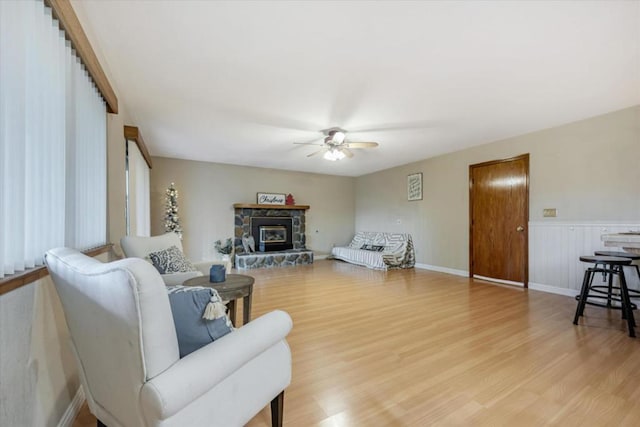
52	141
138	192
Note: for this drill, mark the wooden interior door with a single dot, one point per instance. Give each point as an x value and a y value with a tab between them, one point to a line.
499	217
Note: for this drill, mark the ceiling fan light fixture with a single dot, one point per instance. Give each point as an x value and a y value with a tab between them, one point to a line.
335	145
329	156
338	137
333	155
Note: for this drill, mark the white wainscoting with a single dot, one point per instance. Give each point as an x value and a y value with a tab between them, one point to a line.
555	249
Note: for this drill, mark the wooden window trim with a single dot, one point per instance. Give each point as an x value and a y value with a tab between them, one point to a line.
132	133
19	280
69	23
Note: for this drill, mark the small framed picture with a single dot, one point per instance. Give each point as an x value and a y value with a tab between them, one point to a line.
414	186
271	199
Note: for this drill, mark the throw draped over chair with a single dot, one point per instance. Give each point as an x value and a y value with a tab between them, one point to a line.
124	341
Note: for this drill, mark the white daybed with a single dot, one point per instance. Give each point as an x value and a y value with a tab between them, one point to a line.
396	250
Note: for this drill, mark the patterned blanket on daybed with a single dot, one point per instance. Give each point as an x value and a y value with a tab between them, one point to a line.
377	250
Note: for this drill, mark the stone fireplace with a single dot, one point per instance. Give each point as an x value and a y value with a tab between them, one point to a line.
278	232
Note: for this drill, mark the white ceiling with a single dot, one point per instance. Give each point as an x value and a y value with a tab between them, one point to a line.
239	82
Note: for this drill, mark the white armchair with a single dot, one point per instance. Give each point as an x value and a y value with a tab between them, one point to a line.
124	341
141	247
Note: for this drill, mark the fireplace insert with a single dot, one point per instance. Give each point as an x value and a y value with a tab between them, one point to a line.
272	233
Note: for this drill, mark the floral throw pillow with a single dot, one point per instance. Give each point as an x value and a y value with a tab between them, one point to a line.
170	260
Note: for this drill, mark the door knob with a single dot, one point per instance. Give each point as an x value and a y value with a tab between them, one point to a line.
520	228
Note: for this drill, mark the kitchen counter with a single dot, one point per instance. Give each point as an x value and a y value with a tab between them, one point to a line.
630	241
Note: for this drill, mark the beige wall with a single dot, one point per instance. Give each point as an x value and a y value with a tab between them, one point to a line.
207	192
17	375
38	372
588	170
51	358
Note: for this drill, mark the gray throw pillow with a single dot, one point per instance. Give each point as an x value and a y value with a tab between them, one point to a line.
171	260
375	248
199	316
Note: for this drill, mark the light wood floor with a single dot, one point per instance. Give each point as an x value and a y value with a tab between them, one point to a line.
418	348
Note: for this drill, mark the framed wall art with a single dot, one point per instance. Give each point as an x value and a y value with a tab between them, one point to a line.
414	186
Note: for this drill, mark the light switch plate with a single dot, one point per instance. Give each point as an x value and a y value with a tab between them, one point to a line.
550	212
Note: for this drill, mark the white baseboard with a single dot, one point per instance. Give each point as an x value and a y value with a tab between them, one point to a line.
553	290
443	269
71	413
320	256
534	286
502	282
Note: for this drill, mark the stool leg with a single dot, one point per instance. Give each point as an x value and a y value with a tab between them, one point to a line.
622	309
592	275
626	304
610	289
629	303
604	275
637	271
583	295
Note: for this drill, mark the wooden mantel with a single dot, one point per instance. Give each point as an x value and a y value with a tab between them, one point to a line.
279	207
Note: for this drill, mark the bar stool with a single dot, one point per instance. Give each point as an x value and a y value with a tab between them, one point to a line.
633	257
610	265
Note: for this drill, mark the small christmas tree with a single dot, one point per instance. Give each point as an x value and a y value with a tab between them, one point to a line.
171	219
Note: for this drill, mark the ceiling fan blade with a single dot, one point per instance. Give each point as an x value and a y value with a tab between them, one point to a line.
362	144
312	142
308	143
315	152
347	152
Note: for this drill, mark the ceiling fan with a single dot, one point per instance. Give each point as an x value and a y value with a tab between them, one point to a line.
335	146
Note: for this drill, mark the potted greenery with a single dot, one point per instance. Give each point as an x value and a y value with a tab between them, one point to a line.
224	250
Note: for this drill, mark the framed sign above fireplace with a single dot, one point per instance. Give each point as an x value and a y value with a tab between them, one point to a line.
271	199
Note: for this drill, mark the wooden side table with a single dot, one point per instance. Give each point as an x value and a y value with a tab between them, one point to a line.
235	286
